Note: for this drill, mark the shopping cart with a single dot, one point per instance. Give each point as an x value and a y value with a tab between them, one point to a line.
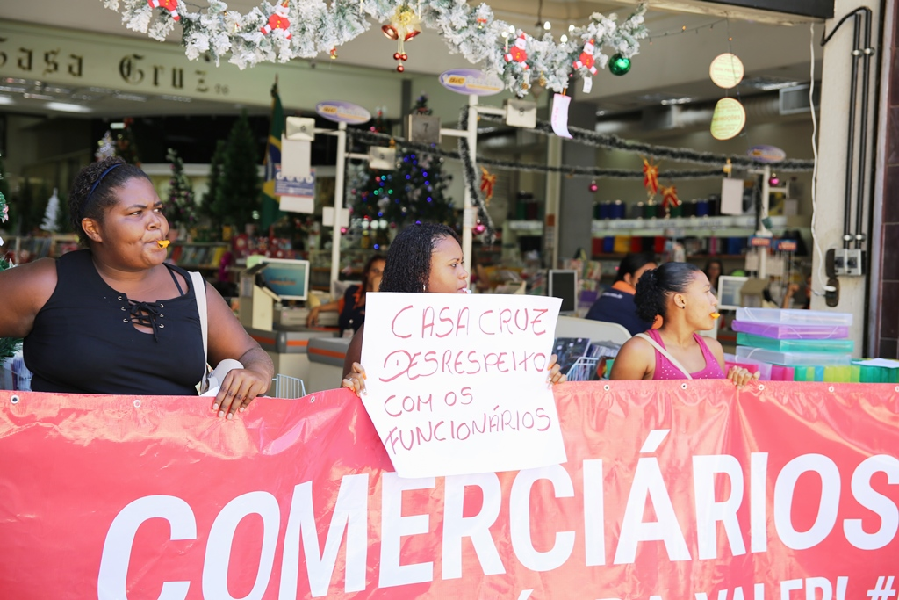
584	369
287	387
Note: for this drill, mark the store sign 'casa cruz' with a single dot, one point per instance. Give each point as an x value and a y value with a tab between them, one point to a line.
93	66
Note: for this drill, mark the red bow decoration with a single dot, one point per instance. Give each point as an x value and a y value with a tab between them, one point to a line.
169	5
650	177
487	182
669	196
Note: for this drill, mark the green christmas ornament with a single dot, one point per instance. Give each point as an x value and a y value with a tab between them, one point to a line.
619	65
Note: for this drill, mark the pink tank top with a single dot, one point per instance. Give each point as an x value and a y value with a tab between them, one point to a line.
667	371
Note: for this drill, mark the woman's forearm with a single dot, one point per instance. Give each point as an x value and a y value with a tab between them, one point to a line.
256	360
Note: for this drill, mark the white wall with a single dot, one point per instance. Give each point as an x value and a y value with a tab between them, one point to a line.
832	161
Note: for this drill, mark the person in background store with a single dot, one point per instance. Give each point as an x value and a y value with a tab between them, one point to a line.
616	305
112	318
798	296
681	294
424	257
352	306
713	270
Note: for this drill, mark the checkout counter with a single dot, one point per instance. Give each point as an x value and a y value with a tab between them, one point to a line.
282	331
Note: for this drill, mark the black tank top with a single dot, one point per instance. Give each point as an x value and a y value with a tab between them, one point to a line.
84	341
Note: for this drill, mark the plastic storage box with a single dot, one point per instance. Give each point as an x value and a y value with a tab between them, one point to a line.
794	358
793	316
767	343
783	331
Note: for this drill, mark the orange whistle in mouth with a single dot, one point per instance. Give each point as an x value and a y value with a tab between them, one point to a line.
715	315
163	244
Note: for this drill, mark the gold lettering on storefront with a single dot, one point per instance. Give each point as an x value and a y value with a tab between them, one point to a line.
134	69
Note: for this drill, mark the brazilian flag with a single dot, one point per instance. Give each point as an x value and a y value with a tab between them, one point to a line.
270	211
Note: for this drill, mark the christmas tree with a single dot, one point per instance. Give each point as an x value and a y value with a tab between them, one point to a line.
180	208
51	214
8	346
237	196
415	191
63	222
125	146
215	177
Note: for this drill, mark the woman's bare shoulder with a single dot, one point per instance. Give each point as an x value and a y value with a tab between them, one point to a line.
38	278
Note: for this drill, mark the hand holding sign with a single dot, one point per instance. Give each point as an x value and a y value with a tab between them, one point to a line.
458	383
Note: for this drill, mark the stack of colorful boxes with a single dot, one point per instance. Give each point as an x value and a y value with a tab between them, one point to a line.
795	344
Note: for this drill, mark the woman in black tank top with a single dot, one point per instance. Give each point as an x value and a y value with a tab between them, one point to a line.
113	318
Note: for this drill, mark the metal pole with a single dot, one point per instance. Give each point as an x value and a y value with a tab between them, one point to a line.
338	202
863	134
850	142
553	206
468	219
763	229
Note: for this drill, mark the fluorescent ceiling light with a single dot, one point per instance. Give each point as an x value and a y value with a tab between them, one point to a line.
6	100
118	125
12	88
674	101
65	107
133	97
39	96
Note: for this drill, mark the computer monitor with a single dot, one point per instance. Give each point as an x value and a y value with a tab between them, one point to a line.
729	295
287	277
563	284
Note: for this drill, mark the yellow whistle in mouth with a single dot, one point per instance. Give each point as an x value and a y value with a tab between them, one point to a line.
714	315
163	243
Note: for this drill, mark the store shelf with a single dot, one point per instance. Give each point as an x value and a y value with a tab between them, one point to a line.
683	226
526	227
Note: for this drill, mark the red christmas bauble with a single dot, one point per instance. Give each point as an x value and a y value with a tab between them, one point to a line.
396	56
400	68
594	187
403	56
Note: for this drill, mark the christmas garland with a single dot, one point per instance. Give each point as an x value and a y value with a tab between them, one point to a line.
307	28
601	140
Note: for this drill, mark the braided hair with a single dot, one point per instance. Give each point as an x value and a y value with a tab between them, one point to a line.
409	258
655	285
93	190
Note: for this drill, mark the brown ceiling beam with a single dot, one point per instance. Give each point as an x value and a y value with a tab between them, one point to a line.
770	12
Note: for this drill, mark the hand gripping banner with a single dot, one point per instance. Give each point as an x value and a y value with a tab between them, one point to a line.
672	490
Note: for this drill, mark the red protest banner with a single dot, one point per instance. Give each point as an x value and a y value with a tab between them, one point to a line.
672	490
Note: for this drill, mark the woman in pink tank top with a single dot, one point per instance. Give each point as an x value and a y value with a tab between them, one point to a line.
680	293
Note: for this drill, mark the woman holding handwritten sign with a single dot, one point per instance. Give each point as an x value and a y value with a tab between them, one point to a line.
425	257
680	293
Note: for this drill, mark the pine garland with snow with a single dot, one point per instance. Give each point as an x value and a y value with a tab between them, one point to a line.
307	28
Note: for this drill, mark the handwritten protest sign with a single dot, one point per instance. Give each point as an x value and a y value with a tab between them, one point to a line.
458	383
